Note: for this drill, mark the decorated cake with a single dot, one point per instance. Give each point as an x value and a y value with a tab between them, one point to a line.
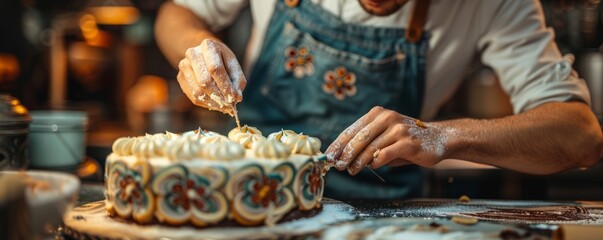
204	178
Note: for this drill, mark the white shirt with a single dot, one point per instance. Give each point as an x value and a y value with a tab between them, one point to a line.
507	35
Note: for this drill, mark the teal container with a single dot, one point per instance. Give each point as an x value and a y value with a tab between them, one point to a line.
57	139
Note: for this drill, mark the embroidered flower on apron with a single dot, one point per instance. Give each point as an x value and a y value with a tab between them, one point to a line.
299	61
340	83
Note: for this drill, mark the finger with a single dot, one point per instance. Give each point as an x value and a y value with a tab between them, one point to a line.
335	149
193	91
235	73
186	88
187	81
205	80
215	58
369	152
398	150
398	163
360	141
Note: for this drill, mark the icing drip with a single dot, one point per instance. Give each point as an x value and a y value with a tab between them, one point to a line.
282	135
271	149
223	151
303	144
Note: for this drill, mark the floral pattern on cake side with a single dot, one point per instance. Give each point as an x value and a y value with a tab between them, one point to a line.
309	185
184	195
259	197
127	191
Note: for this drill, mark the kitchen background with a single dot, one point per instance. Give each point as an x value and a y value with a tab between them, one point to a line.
99	56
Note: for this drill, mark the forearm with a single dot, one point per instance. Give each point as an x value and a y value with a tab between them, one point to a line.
548	139
178	29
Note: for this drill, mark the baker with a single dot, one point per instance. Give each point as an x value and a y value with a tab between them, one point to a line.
367	75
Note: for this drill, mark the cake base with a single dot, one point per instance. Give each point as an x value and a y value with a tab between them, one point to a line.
90	221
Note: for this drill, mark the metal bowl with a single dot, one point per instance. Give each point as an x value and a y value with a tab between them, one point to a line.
33	202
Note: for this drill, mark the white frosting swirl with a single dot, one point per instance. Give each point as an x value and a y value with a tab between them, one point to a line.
248	140
151	146
209	133
271	149
243	129
172	136
303	144
223	151
246	136
185	149
281	135
195	134
214	139
123	146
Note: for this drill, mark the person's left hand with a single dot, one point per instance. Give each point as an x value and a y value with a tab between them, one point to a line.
385	137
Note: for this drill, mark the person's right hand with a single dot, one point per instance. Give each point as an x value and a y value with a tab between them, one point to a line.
211	76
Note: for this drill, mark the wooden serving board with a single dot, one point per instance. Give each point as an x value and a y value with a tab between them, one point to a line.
90	221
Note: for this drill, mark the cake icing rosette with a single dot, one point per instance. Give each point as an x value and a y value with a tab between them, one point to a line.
282	135
214	139
246	136
187	148
123	146
150	146
298	143
185	195
223	151
303	144
271	149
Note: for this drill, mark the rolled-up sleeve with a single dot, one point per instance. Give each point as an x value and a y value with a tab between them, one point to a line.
218	14
518	46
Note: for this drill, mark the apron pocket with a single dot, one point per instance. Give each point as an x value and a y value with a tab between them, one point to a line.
312	78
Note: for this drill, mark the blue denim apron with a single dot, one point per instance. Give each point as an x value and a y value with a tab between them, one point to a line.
317	75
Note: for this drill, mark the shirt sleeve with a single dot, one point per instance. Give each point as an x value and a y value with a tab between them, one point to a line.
218	14
518	46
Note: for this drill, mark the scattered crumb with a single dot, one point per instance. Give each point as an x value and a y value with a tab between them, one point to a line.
464	199
464	220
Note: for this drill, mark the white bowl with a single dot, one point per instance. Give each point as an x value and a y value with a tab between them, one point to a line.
47	204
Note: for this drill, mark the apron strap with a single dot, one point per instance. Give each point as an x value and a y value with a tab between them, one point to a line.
414	32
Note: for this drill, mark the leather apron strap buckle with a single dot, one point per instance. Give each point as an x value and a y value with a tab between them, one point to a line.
414	32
